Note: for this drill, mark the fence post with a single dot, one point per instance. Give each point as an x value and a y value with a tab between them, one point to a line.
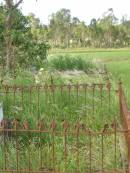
125	119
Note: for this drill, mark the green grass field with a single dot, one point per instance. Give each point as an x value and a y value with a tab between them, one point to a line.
117	62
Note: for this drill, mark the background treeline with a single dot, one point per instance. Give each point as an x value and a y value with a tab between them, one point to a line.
106	32
64	31
25	40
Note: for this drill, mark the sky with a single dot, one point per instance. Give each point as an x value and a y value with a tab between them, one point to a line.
83	9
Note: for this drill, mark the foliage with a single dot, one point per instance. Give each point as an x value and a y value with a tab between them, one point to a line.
26	47
106	32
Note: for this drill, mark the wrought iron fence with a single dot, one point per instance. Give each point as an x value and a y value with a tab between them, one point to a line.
64	149
86	102
68	128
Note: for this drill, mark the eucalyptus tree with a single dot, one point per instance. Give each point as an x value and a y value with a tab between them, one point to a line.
80	33
60	25
108	24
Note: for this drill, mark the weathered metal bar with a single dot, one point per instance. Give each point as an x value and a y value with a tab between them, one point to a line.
125	119
102	143
93	99
90	153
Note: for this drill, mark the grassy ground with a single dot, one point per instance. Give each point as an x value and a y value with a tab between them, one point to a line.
86	50
93	110
117	62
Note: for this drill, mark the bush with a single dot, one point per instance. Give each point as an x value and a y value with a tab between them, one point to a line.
68	62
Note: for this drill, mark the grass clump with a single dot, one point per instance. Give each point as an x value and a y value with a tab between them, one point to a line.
69	62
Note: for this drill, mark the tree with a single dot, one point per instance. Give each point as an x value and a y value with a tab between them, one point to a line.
10	8
107	23
60	27
80	31
24	43
2	21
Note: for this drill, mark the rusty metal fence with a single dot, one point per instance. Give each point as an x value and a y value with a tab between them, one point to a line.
125	119
60	102
70	149
68	128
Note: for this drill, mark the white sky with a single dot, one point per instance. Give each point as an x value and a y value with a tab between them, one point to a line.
83	9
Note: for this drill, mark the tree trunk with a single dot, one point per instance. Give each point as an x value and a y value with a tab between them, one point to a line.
10	6
8	42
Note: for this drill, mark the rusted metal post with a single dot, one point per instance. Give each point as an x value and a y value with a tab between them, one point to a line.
125	119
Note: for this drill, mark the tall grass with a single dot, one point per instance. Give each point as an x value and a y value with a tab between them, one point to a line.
60	106
89	108
69	62
83	105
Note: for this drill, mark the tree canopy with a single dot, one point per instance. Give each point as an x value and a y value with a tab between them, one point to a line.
21	44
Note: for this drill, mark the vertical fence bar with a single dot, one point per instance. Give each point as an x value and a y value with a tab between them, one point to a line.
5	145
102	141
77	146
101	100
77	94
41	127
29	154
109	95
46	98
69	94
14	95
93	99
26	127
53	126
101	89
115	141
90	152
53	92
128	151
53	97
65	127
22	99
85	94
15	124
38	102
6	95
61	100
30	100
